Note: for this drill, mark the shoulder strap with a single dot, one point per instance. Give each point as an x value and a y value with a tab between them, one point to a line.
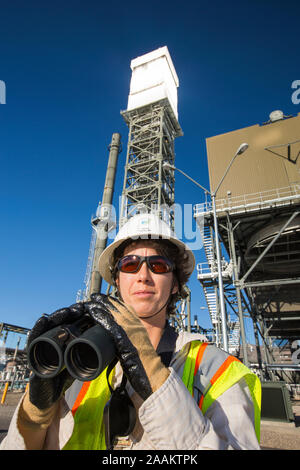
167	344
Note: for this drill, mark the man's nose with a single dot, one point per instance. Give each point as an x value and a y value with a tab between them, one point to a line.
144	272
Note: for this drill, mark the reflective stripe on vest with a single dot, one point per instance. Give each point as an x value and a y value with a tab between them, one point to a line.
218	372
88	432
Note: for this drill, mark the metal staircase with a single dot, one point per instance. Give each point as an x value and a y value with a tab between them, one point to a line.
234	338
211	300
207	273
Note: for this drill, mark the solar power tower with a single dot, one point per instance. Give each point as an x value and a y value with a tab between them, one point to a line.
152	118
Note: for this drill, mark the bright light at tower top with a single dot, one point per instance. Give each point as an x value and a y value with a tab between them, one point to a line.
153	78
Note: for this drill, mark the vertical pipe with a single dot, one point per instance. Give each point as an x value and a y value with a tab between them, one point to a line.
102	228
16	349
124	209
160	162
238	296
188	304
4	393
220	279
258	350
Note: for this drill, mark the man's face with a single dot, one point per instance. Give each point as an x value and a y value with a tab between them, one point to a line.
145	291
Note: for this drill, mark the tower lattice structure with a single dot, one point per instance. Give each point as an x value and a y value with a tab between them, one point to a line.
148	186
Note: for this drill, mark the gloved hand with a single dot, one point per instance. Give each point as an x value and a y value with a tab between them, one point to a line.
139	360
40	404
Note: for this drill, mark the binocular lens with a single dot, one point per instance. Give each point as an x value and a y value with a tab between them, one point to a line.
85	356
84	360
45	358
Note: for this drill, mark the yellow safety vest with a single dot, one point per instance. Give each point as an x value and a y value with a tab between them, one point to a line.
88	432
220	372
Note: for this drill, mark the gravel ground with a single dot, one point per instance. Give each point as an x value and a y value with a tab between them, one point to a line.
282	436
274	435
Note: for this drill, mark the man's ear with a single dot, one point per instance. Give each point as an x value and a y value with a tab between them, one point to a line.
117	283
174	285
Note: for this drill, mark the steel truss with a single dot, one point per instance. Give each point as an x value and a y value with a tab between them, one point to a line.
264	284
147	185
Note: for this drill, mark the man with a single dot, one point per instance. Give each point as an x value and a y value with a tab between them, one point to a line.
168	390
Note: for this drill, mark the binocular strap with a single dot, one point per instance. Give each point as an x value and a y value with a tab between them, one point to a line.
119	412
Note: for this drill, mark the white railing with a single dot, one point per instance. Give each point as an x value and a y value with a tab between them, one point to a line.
248	202
211	270
206	270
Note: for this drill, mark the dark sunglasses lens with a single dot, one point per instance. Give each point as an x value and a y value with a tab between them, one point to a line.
157	264
160	265
129	264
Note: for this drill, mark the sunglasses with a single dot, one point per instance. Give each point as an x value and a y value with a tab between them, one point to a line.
156	263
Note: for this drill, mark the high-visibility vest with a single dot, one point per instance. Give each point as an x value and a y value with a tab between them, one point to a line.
219	372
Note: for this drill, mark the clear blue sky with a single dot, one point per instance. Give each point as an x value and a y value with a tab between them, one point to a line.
66	67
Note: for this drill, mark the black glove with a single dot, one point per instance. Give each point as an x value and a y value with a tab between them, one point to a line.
43	393
139	360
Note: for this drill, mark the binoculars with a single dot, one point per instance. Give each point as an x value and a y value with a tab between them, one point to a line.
83	347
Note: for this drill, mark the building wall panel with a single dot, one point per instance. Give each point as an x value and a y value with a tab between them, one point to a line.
256	170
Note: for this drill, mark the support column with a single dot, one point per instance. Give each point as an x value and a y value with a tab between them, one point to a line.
238	294
102	221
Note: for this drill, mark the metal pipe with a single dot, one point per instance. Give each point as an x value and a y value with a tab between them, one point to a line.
189	311
102	228
220	279
4	393
292	367
239	297
273	282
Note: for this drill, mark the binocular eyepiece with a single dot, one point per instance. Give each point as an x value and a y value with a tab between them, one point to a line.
83	347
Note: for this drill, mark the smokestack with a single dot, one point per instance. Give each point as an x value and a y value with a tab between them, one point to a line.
102	224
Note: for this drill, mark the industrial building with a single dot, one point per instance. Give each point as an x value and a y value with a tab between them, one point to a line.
257	209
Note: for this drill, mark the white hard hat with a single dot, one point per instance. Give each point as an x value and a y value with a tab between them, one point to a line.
143	227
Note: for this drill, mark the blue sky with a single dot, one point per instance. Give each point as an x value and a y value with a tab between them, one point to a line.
66	67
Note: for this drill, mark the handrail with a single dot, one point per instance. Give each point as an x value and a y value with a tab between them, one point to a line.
253	200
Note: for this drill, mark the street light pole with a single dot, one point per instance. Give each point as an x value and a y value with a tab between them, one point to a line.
239	151
220	277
